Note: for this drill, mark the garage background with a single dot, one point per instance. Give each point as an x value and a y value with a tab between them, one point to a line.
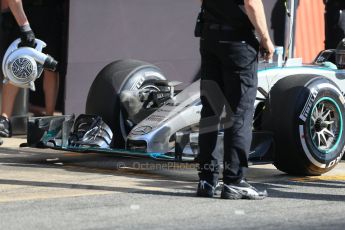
156	31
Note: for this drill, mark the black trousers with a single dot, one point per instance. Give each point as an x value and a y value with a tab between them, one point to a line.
228	80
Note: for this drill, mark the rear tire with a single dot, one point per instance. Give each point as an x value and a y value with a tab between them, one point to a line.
103	98
307	115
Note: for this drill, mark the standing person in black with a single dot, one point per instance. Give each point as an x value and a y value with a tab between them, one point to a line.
229	57
334	22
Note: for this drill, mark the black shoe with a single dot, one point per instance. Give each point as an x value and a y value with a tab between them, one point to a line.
205	189
242	190
5	127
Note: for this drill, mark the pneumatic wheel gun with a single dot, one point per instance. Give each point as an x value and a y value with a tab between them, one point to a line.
21	66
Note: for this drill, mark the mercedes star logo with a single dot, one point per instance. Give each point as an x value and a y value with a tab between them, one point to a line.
142	130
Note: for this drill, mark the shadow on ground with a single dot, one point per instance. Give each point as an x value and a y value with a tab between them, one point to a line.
179	179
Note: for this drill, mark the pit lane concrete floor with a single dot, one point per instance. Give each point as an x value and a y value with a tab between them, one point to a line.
47	189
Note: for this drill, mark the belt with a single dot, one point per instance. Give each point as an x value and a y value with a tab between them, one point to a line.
40	2
220	27
223	27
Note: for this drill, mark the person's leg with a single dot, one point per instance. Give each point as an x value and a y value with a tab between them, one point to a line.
9	33
212	106
51	33
210	113
9	93
51	89
240	80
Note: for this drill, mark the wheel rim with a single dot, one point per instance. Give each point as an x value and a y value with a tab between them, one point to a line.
326	125
124	128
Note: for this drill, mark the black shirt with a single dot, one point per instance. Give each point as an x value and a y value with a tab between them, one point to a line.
228	12
336	4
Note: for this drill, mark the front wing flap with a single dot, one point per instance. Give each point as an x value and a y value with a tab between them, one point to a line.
54	131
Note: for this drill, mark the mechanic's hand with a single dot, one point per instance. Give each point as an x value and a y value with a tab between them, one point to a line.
27	37
268	47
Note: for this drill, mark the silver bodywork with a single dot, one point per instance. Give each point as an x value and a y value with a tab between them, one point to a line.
180	112
183	111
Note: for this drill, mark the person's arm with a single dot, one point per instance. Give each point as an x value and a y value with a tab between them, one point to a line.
27	35
17	10
256	13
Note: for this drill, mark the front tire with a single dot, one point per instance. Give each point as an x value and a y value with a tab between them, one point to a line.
307	115
104	94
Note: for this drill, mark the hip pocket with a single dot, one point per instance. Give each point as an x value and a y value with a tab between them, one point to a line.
240	54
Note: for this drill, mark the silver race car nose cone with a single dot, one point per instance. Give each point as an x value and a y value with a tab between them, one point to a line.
142	130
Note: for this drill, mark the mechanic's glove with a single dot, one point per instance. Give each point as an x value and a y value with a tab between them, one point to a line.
27	36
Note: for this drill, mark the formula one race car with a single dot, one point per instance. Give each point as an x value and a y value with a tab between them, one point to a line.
298	121
132	109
